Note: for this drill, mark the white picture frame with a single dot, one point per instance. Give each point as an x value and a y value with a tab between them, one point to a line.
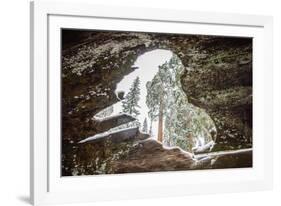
46	184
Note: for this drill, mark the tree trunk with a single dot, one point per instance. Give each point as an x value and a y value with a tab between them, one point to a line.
150	128
160	121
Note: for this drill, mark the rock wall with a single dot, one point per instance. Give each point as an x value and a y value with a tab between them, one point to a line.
217	78
220	81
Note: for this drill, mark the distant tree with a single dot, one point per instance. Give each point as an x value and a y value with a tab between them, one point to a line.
186	125
144	126
157	96
130	102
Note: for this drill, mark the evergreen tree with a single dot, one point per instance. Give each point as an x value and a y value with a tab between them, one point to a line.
184	123
157	96
144	126
130	102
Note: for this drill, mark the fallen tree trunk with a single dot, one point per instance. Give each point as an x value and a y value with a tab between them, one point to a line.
104	124
150	156
225	159
117	136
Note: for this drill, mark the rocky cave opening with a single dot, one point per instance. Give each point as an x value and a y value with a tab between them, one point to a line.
216	78
176	123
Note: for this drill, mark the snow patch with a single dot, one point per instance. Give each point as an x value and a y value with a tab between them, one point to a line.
105	134
116	116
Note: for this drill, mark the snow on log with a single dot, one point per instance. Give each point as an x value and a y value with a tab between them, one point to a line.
106	123
117	136
203	149
225	159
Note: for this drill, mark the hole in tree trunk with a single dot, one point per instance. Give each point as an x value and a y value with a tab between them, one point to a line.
144	102
154	97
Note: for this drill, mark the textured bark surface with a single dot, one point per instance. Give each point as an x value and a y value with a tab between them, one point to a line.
160	122
225	159
104	124
217	78
150	156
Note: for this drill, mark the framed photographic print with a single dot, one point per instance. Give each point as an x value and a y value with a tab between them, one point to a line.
127	105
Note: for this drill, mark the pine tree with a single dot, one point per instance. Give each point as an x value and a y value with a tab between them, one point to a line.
168	103
144	126
185	125
130	102
157	96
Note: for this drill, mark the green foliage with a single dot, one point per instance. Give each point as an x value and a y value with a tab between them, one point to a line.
185	125
159	89
130	103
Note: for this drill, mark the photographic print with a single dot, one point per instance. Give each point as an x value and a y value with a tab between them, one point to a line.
154	102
